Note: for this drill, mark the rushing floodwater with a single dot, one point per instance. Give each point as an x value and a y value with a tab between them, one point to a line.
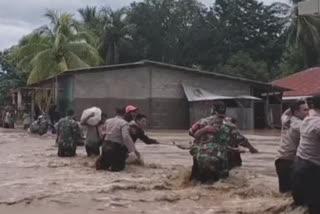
34	180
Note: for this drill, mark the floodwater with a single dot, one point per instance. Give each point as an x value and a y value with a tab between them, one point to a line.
34	180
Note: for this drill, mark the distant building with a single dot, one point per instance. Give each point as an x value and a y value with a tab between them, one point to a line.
171	96
302	84
309	7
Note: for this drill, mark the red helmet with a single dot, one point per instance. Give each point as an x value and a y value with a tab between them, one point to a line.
130	108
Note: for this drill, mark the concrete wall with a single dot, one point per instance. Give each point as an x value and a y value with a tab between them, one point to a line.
131	83
157	91
112	89
167	83
65	93
169	103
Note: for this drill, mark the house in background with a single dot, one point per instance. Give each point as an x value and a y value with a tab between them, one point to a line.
171	96
303	84
309	7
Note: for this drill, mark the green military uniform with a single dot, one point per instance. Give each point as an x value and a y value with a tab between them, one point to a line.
68	135
210	151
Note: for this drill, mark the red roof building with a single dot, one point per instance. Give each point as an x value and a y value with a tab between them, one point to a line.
302	84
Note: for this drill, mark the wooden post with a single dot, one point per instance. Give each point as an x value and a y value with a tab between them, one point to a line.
13	97
267	110
19	99
32	106
56	91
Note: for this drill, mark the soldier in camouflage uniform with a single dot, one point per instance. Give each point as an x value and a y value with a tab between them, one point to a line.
214	140
68	135
234	155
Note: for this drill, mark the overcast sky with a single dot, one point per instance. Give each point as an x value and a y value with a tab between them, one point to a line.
20	17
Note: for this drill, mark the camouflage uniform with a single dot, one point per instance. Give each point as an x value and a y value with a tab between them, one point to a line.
68	135
210	151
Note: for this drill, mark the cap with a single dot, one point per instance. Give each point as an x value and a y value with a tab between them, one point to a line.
130	108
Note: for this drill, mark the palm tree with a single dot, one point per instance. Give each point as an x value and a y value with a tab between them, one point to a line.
55	48
89	14
304	34
111	28
91	24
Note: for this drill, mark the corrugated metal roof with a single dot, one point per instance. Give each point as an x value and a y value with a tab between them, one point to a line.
295	97
199	94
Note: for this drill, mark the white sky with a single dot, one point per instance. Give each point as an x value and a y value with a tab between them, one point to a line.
20	17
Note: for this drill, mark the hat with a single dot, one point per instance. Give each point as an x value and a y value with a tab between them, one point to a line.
130	108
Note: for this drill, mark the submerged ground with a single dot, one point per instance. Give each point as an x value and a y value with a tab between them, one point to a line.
34	180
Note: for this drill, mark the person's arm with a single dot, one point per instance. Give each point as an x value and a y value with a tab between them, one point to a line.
58	131
206	129
76	132
127	140
244	142
143	137
285	117
295	125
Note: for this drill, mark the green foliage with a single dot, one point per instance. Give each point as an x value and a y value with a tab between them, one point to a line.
242	65
111	29
292	62
10	78
245	38
55	48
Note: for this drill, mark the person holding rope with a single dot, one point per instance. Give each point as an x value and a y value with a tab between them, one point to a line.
214	138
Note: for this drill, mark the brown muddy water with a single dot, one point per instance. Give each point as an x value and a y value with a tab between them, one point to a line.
34	180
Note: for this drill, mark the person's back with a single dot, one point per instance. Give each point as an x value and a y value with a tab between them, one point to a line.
68	134
291	121
113	129
309	147
118	144
210	162
306	167
290	137
93	138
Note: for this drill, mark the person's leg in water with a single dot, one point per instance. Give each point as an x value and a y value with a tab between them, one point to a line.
88	150
60	152
234	159
284	172
313	195
105	159
66	152
95	150
195	173
214	170
92	149
118	158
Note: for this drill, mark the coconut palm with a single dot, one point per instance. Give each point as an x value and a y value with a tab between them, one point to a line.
304	34
55	48
111	29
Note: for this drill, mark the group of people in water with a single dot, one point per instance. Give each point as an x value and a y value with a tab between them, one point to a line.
298	163
116	136
216	148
